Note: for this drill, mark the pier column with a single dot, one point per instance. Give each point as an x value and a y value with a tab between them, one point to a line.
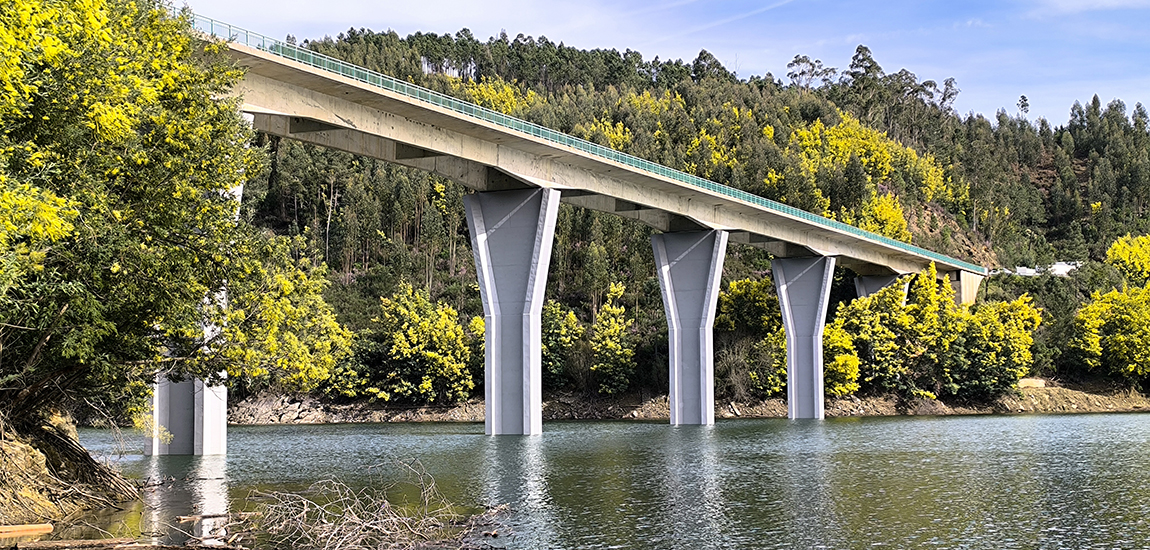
869	284
195	415
511	236
690	266
804	286
965	286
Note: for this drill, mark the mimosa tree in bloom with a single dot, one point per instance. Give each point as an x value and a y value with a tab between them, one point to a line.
118	230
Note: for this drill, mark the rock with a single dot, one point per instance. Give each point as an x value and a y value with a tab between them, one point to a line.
1032	383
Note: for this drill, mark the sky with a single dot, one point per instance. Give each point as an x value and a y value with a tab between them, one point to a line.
1052	51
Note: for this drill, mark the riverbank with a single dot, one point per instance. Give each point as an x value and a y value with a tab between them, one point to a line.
1036	396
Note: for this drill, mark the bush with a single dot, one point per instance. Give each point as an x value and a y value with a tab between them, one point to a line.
1112	331
613	356
417	353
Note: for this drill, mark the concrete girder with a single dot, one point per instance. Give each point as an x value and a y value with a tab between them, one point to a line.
467	173
333	99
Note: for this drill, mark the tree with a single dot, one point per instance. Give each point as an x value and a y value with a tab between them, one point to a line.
275	327
561	331
1131	255
119	151
613	355
1111	332
922	345
417	353
805	72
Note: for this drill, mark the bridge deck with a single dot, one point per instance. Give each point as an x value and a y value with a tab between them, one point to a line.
344	104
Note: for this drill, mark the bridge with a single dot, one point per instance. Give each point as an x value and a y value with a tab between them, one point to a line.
520	172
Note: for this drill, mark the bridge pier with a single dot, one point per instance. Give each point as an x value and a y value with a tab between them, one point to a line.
690	266
804	286
965	285
511	236
869	284
196	416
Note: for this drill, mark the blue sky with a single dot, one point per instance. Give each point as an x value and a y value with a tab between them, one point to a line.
1053	51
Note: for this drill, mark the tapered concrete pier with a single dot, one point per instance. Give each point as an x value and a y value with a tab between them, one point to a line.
804	286
511	237
690	266
194	414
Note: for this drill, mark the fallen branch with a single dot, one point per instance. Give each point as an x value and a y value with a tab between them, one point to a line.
25	530
69	544
200	517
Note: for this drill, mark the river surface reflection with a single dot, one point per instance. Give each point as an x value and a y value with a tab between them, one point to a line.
1074	481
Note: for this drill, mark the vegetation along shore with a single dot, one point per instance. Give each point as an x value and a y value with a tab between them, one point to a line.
349	282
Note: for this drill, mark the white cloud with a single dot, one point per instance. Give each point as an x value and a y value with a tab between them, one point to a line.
1062	7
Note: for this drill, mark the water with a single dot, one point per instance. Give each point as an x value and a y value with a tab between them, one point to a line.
1074	481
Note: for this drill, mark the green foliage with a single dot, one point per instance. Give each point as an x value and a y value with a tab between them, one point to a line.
751	348
768	365
613	355
561	331
751	306
1111	332
418	352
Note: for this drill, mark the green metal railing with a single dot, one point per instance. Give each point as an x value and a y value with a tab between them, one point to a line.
327	63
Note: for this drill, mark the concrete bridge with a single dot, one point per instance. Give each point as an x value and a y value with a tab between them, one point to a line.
521	172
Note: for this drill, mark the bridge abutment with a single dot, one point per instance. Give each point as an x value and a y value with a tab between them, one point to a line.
690	266
194	415
804	285
511	236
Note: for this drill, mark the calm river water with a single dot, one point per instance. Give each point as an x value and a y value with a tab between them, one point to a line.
1075	481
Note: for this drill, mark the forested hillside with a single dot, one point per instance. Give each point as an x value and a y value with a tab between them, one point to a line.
884	151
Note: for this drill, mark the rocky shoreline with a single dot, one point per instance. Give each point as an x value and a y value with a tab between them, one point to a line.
1035	396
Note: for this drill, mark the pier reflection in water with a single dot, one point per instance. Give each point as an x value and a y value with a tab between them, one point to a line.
971	482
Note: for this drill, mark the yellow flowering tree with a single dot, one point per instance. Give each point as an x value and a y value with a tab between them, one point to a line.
1131	256
854	169
613	355
118	232
1111	333
923	345
418	352
561	331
